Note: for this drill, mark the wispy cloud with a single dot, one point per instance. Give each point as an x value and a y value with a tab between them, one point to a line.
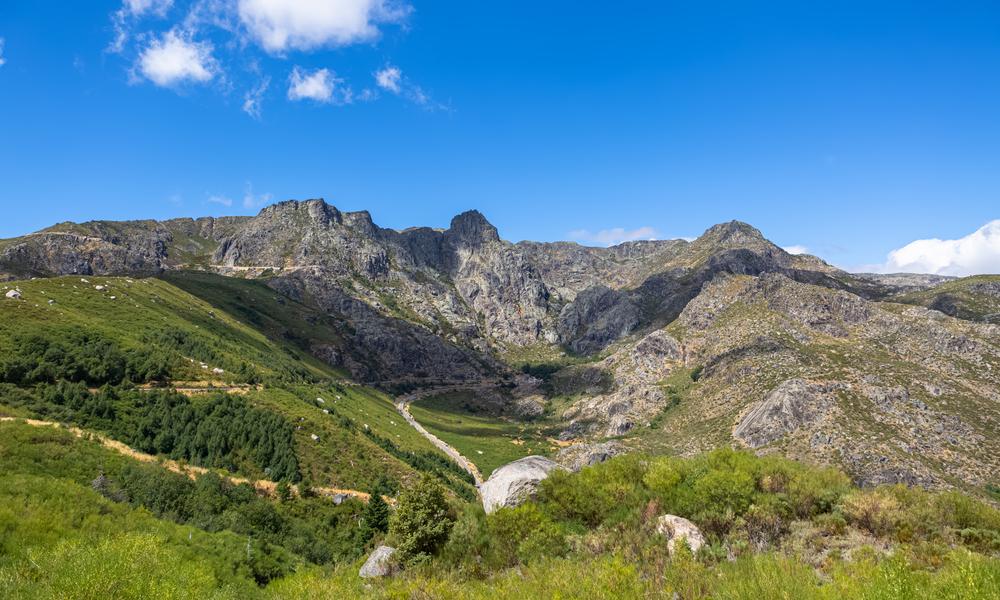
795	249
973	254
613	236
130	11
253	99
251	200
391	79
3	61
223	200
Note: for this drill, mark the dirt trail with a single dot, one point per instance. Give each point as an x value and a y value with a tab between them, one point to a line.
403	406
261	485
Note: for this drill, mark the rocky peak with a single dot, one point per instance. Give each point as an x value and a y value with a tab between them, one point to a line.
361	221
471	227
733	233
317	211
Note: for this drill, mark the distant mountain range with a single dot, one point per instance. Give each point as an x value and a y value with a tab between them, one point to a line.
674	345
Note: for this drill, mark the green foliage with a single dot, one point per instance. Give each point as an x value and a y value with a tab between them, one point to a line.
220	431
608	493
116	567
523	534
422	521
271	538
375	518
76	355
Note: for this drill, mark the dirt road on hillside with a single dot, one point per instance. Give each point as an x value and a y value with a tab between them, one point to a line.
403	406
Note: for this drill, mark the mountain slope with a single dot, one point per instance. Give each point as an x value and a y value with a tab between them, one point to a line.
130	341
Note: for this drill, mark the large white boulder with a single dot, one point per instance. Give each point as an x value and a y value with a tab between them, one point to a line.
678	528
379	563
515	482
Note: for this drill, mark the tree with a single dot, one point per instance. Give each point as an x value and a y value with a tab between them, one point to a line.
375	517
422	521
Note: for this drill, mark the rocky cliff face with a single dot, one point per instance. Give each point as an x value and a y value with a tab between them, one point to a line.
726	339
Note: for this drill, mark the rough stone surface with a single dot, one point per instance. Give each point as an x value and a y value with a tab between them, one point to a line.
515	482
676	528
379	563
793	404
578	456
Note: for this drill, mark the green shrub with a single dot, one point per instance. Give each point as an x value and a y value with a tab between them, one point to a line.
422	521
605	493
522	534
877	511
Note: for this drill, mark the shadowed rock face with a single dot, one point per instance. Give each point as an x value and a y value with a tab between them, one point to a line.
515	482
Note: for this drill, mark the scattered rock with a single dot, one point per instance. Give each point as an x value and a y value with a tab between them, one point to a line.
379	563
579	456
678	528
13	295
515	482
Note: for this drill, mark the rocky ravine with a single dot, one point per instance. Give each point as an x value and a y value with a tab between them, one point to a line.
726	339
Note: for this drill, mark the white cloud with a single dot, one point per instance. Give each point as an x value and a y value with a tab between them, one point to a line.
143	7
389	78
611	237
223	200
795	249
132	10
253	99
976	253
3	61
174	59
250	200
279	25
322	85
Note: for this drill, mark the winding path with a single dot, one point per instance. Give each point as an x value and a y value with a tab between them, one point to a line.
403	406
261	485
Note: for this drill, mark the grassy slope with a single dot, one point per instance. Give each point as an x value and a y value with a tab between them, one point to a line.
47	505
486	441
343	457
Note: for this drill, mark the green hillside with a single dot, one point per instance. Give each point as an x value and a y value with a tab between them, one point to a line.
108	358
80	521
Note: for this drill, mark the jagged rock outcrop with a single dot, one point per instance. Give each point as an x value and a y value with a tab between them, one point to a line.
515	482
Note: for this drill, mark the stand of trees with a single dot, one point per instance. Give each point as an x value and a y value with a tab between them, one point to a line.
219	431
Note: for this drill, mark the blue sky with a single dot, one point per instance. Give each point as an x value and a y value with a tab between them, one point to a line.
848	128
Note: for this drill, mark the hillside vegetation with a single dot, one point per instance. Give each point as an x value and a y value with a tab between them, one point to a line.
80	521
108	353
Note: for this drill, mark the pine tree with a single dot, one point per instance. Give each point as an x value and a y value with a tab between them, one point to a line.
376	515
